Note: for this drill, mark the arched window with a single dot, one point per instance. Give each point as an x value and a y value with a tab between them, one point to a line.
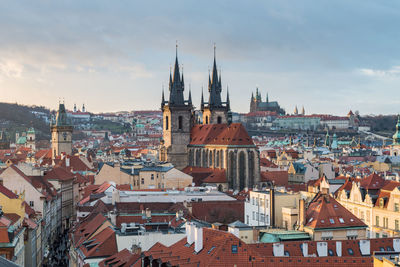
206	119
219	120
166	122
180	122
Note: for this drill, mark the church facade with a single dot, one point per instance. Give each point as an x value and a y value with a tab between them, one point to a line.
216	143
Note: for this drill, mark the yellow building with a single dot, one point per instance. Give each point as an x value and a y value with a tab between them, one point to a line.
11	202
375	201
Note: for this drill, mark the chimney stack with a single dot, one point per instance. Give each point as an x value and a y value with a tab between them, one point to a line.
302	213
198	239
272	206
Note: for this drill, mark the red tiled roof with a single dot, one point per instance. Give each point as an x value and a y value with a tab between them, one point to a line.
277	177
264	162
325	212
220	134
218	211
13	217
103	244
60	174
124	258
5	191
217	176
373	181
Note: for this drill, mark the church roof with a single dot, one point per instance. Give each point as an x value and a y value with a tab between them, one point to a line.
220	134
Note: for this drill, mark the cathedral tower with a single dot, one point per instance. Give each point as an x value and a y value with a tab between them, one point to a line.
177	121
61	134
215	111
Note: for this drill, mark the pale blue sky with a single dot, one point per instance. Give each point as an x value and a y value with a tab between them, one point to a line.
330	56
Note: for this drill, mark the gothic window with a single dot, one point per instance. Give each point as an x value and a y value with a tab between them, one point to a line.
180	122
166	123
242	171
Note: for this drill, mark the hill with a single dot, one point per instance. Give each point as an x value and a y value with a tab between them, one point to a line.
14	117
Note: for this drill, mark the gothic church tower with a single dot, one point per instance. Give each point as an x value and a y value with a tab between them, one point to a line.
177	121
215	111
61	134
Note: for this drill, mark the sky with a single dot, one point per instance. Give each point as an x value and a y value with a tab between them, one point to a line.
328	56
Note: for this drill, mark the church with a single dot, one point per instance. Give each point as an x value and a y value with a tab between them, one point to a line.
215	145
257	104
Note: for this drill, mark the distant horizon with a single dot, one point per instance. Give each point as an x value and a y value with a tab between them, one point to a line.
105	112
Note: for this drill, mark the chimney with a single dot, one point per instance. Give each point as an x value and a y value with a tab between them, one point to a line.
302	213
304	249
115	197
198	239
278	249
272	206
113	217
365	247
322	249
67	162
339	248
189	233
396	245
148	213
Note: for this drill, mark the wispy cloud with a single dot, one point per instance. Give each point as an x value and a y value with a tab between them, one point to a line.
392	72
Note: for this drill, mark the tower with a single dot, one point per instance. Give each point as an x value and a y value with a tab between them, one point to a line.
61	133
177	121
395	148
31	139
215	111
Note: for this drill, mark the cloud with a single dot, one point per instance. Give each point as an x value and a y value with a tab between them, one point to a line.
11	69
392	72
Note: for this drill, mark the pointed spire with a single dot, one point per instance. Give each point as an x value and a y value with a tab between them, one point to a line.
267	98
162	98
202	99
228	102
190	95
176	84
252	96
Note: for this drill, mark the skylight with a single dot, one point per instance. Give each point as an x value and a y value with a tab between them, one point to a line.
341	220
332	221
211	249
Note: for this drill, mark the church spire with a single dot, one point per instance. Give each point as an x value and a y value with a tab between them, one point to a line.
190	95
228	102
214	85
176	84
267	98
202	99
162	98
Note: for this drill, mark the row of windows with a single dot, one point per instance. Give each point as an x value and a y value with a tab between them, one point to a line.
180	122
260	202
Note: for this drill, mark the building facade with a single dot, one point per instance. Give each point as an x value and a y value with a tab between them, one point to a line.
214	143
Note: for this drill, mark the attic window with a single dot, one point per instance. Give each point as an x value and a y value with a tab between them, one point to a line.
332	221
341	220
351	219
211	249
351	252
310	220
234	249
322	221
287	254
330	252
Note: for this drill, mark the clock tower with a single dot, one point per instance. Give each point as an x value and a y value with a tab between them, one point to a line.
61	134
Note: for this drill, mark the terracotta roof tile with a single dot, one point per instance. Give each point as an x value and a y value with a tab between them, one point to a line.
220	134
